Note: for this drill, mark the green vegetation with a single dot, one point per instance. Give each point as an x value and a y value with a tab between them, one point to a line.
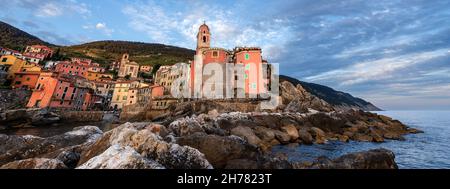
14	38
102	52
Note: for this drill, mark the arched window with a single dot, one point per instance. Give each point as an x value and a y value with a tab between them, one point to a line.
204	39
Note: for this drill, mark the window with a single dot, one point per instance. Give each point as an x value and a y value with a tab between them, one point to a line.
4	59
124	98
28	79
38	86
247	56
204	39
61	103
215	54
18	82
118	98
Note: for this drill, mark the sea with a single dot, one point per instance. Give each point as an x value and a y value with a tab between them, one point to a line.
428	150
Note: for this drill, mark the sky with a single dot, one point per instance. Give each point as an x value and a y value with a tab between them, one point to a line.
393	53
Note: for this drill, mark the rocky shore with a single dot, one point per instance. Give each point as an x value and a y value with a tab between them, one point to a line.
210	137
213	140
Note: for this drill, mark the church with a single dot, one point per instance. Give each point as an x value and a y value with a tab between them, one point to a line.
250	57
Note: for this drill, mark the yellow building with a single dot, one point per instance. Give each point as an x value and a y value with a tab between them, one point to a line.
13	63
120	94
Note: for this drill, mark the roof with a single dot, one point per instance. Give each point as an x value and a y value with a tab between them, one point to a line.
28	73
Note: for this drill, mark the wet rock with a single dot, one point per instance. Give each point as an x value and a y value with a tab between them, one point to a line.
247	134
219	150
393	136
373	159
35	163
362	137
292	131
119	157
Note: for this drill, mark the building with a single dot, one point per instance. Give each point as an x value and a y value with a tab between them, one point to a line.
146	69
25	80
249	57
13	65
6	51
166	75
61	91
120	94
38	51
72	68
34	57
128	68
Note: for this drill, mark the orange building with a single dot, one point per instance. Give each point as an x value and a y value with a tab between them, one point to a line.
43	92
25	80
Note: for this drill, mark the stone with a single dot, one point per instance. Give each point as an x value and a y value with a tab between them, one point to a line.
265	134
282	137
343	138
372	159
148	145
25	147
185	126
219	150
393	136
119	157
247	134
35	163
318	135
292	131
362	137
241	164
305	137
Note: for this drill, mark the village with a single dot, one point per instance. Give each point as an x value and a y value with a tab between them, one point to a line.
79	84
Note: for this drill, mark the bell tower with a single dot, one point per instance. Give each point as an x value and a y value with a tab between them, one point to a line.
203	38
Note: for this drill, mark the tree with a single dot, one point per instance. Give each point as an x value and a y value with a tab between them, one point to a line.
155	68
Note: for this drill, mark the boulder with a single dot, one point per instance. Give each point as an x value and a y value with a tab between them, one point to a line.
185	126
44	118
282	137
148	145
292	131
219	150
247	134
318	135
373	159
120	157
35	163
241	164
25	147
304	136
265	134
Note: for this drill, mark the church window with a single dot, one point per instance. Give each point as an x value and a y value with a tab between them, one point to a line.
247	56
215	54
204	39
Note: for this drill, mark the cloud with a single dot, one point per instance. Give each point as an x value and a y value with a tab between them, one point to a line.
377	69
229	27
52	8
100	26
49	10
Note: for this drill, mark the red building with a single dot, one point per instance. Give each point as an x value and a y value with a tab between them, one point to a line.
72	68
250	57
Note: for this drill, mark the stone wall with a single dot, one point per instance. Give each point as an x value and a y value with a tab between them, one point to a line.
81	116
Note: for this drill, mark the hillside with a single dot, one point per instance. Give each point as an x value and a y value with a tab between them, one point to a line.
14	38
103	52
338	99
142	53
